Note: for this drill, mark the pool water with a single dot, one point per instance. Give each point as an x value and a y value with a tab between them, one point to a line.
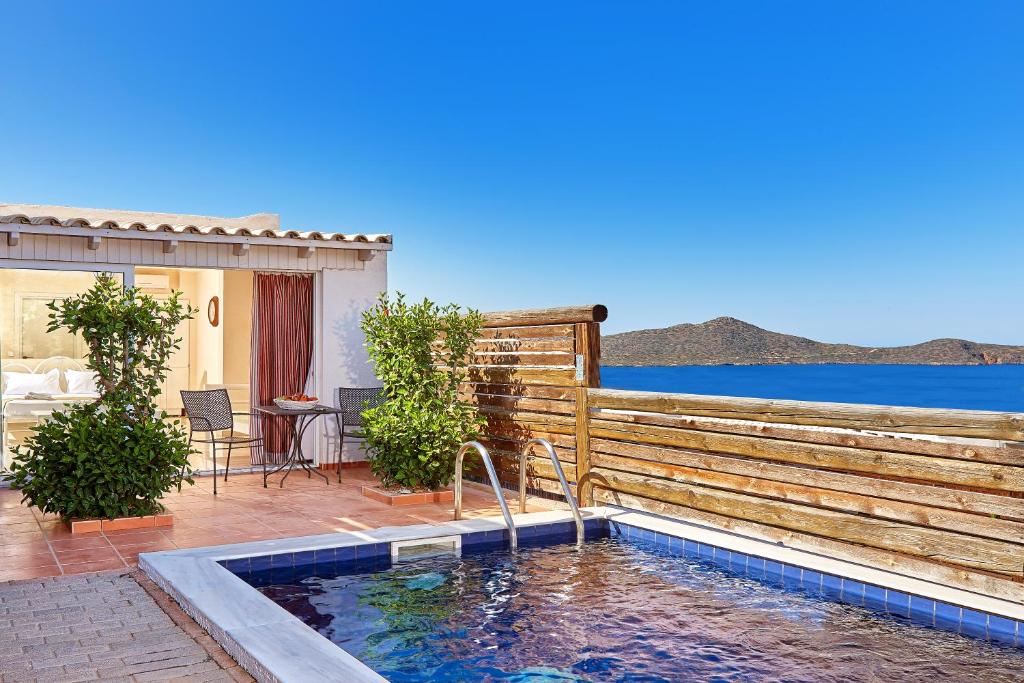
611	610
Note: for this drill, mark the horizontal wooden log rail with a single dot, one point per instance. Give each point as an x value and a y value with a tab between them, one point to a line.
978	553
935	496
966	423
591	313
995	452
913	512
839	458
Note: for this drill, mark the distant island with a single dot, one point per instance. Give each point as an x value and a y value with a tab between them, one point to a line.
728	341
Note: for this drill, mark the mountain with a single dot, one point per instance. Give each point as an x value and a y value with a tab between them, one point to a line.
728	341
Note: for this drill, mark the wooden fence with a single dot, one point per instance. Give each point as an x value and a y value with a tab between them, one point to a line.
937	493
529	377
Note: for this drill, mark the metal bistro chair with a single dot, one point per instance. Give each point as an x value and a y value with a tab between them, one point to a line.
353	401
209	411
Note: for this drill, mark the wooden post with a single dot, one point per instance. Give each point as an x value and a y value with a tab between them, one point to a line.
588	340
584	487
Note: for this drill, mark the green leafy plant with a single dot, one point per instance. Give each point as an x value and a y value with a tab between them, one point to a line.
420	352
116	456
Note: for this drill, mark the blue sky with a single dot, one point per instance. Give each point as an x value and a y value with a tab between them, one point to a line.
846	171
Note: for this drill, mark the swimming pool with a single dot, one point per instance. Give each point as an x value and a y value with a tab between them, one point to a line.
645	599
614	611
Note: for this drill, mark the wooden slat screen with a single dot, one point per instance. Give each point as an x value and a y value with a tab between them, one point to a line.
525	381
939	492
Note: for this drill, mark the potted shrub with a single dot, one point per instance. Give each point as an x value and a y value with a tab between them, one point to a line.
117	456
420	352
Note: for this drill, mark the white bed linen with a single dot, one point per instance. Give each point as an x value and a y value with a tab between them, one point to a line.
19	407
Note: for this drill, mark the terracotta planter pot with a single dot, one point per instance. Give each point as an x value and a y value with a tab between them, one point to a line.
389	498
86	526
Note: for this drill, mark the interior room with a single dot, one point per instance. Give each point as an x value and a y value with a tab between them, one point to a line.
45	371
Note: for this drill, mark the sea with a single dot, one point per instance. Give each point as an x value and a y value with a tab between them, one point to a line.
971	387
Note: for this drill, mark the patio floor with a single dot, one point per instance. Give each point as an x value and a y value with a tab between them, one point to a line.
34	545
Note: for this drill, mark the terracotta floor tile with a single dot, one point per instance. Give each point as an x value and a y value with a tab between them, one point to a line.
30	548
80	542
139	537
242	511
98	566
29	573
86	555
26	561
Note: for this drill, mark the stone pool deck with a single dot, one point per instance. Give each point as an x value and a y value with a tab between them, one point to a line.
77	609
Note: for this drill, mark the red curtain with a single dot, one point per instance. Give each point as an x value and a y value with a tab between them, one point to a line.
282	348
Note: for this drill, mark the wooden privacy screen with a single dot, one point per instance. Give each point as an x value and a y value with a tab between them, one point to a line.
940	493
937	493
530	372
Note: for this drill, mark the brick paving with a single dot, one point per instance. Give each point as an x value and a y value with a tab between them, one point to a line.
103	626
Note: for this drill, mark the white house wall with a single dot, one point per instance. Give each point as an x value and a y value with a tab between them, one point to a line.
149	252
342	358
346	286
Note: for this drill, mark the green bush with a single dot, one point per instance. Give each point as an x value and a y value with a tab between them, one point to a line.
414	435
117	456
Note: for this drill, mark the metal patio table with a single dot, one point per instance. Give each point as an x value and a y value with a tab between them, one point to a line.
300	421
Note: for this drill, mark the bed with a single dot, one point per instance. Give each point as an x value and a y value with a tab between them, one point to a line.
32	389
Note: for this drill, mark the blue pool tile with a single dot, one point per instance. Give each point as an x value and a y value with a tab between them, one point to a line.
345	553
303	558
705	551
324	555
528	532
755	567
832	586
1001	628
897	602
853	591
874	596
616	530
691	549
773	570
473	538
738	562
595	529
664	541
240	564
791	577
947	615
259	563
722	557
495	536
922	609
812	581
282	560
973	622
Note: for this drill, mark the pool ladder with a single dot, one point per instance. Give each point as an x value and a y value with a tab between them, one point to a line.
496	485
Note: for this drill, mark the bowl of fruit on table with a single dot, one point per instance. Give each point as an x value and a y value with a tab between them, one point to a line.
295	401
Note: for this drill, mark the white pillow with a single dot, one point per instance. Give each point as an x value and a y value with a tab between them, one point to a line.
82	382
21	383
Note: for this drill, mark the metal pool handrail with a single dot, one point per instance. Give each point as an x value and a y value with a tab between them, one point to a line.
546	445
494	484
